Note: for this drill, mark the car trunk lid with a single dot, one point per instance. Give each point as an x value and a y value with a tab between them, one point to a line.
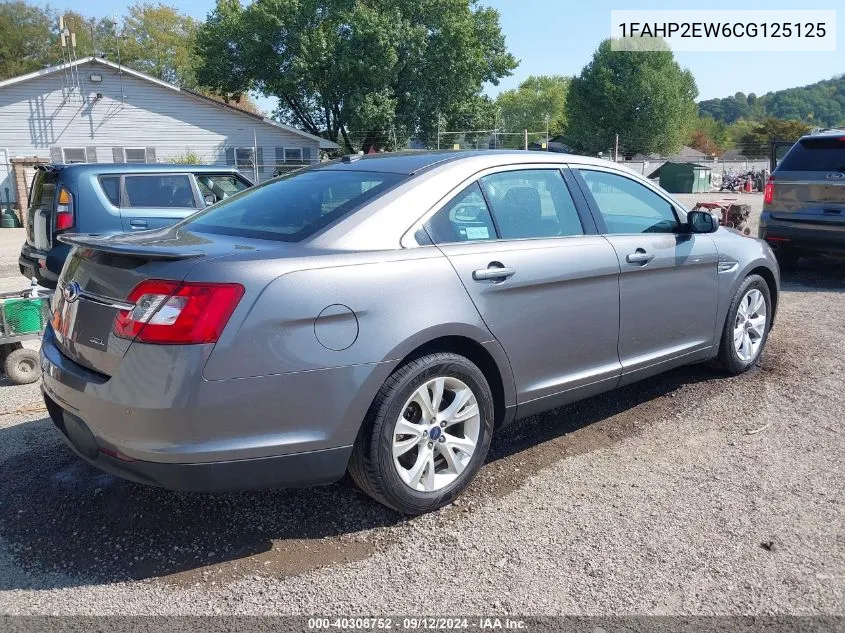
101	272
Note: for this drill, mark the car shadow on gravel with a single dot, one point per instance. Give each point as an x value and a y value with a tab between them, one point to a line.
814	274
67	524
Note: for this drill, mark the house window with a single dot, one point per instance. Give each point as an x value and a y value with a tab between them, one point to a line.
136	154
74	155
244	157
293	155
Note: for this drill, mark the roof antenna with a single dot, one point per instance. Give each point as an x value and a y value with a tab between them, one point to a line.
117	37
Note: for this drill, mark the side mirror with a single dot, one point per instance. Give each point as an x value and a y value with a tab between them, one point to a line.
210	199
702	222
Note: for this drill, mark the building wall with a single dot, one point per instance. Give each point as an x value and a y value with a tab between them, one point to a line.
40	118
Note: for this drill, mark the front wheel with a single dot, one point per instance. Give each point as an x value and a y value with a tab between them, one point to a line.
427	434
746	326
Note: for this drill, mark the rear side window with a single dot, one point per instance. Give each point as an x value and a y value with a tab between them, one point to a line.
111	187
220	186
816	154
532	203
465	218
159	191
294	207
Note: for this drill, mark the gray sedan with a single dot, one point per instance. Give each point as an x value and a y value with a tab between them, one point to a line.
386	315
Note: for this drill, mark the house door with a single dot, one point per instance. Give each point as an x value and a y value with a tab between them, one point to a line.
7	184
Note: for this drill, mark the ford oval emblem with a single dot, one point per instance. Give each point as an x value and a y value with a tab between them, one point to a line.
835	175
71	292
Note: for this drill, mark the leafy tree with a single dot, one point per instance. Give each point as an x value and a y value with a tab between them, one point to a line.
537	102
821	103
644	96
711	136
755	142
338	66
159	40
25	38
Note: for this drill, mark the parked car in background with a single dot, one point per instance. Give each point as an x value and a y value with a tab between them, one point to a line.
387	314
804	201
108	198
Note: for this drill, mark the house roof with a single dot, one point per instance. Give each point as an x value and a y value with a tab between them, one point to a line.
324	144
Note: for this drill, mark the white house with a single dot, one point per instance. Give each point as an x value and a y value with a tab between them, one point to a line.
94	110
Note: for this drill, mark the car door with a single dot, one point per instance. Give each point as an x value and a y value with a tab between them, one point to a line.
668	284
151	201
544	282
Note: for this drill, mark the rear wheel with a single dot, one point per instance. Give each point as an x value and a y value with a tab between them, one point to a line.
746	326
427	434
22	366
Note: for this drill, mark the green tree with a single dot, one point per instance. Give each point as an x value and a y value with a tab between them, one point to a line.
755	141
711	136
338	66
537	102
26	35
644	96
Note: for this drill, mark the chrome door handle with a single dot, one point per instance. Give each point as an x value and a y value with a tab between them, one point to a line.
493	273
639	256
138	224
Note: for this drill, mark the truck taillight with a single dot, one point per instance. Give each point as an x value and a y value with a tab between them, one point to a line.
769	191
176	313
64	210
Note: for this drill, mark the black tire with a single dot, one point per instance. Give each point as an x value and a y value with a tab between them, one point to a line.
371	465
728	359
22	366
7	349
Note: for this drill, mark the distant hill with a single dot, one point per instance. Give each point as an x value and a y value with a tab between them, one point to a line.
821	104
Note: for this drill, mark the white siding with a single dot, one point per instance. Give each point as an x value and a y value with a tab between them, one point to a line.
35	116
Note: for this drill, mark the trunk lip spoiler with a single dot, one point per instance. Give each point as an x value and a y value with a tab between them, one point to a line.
107	245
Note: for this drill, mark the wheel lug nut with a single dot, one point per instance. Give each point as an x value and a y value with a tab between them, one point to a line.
443	425
430	444
442	439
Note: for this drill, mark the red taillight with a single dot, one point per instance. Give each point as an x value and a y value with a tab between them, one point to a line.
64	210
769	191
174	313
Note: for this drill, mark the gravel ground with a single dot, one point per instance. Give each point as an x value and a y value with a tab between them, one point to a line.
689	493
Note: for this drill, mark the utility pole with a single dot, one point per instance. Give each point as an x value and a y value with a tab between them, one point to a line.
255	155
438	130
525	133
616	151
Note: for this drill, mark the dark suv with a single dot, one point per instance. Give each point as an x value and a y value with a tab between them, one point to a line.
804	201
112	198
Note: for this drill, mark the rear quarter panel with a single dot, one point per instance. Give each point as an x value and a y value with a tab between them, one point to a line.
380	307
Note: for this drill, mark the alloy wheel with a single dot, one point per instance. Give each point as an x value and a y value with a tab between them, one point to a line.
436	434
750	325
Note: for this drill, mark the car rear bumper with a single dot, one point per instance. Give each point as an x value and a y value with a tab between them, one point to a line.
156	420
802	236
45	266
281	471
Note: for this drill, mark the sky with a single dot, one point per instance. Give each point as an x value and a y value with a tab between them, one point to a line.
560	36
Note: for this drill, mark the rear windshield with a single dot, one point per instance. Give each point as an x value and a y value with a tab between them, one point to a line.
43	191
294	207
816	154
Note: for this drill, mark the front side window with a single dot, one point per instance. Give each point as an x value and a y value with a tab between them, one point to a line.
159	191
219	186
531	203
294	207
465	218
629	207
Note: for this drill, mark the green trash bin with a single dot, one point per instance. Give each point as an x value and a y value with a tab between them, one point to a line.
24	316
